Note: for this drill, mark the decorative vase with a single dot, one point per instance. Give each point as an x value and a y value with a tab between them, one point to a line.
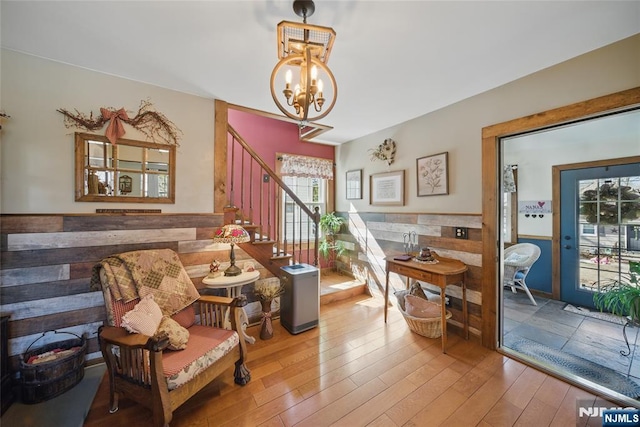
266	327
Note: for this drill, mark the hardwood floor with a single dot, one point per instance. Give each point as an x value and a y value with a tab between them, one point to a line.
353	370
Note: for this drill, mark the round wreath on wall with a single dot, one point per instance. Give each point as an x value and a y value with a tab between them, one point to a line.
385	151
607	196
3	115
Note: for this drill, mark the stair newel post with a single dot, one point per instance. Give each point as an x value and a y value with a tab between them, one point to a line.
242	192
230	213
261	204
230	173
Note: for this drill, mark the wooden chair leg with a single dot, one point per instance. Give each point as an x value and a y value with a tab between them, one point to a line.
241	374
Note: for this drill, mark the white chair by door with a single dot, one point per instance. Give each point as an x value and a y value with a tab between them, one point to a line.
518	260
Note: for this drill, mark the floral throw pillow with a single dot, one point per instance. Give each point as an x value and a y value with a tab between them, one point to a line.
178	336
144	318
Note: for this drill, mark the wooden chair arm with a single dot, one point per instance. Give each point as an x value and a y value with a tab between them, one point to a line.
212	299
123	338
239	301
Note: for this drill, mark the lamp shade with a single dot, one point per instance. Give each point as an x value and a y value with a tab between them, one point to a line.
231	233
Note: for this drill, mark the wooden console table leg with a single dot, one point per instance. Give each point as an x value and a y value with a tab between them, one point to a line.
465	315
443	301
386	296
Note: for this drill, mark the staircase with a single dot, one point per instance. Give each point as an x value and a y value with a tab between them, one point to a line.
256	199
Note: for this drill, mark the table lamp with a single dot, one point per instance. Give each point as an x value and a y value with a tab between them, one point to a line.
231	234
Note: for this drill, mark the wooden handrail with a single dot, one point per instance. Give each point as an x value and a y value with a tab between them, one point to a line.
270	171
279	183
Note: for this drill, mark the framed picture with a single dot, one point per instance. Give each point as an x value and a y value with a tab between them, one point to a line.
387	189
433	175
354	184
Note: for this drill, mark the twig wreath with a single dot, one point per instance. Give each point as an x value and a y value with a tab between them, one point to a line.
385	151
155	125
4	115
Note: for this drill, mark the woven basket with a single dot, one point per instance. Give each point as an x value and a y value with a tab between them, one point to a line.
40	382
430	328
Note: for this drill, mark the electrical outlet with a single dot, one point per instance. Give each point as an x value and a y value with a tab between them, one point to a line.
460	232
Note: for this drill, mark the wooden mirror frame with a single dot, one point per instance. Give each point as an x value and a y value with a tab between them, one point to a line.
81	186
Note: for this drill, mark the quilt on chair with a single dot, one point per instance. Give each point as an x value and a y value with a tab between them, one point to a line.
136	274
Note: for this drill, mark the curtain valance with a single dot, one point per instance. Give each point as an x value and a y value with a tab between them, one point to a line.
312	167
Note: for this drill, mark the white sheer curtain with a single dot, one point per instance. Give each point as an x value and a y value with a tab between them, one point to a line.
508	180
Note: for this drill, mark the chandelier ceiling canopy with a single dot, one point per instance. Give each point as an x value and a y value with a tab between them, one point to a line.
302	85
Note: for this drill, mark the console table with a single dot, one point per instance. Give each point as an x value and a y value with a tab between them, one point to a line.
233	285
446	271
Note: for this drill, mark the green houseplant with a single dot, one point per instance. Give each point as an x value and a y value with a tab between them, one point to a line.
330	248
622	297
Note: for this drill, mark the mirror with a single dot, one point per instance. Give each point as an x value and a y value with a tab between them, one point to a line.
129	171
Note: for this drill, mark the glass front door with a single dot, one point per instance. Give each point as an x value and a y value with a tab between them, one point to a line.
600	222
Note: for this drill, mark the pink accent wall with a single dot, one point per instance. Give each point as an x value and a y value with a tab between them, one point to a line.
268	136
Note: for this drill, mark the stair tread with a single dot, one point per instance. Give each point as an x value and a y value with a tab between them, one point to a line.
263	242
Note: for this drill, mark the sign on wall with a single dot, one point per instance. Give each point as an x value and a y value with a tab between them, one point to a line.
534	206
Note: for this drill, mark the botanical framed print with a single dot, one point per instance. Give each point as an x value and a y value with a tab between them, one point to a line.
387	189
433	174
354	184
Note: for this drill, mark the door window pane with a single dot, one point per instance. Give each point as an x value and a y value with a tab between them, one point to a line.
607	206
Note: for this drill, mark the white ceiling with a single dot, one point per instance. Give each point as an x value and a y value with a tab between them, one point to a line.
393	60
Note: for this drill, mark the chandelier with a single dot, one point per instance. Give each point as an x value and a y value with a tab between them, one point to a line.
307	89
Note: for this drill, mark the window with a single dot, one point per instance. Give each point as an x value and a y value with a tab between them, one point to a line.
588	229
312	192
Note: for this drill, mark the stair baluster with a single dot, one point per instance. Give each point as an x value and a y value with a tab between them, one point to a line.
271	226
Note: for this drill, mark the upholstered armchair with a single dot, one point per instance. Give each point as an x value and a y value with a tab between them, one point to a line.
168	360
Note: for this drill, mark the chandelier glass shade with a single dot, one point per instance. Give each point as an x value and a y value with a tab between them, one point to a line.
302	85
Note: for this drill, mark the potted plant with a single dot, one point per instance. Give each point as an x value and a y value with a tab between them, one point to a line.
330	247
622	297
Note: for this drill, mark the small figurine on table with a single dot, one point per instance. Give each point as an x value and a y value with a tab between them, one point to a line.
214	268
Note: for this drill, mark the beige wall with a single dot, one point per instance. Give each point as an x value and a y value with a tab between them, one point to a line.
457	128
38	150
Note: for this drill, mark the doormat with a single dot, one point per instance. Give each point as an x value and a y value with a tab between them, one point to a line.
608	317
68	410
578	366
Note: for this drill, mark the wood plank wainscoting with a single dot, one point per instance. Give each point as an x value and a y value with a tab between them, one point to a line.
372	236
46	261
46	266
